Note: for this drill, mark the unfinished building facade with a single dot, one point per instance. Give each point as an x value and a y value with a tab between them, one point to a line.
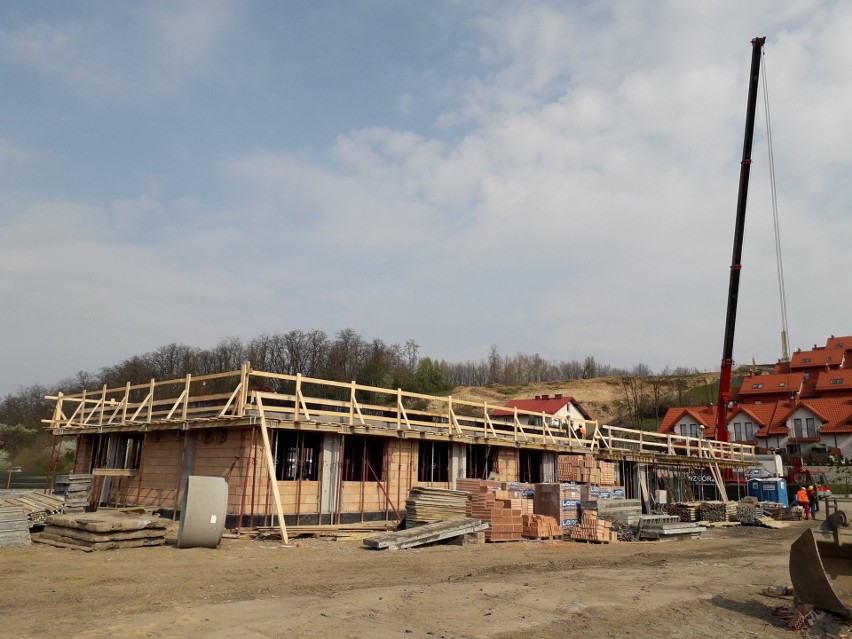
313	451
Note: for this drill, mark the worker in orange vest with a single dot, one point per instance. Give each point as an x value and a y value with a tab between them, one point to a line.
813	501
803	501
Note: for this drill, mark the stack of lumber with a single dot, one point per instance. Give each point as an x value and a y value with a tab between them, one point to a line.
103	531
749	513
718	511
560	501
338	531
585	469
75	488
686	510
14	529
36	505
425	534
592	529
540	527
505	523
428	505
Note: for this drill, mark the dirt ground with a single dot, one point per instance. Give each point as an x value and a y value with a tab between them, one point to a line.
246	589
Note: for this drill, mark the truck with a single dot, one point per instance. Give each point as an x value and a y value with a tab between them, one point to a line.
799	475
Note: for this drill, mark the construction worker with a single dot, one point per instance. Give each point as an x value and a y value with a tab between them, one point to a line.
804	502
813	501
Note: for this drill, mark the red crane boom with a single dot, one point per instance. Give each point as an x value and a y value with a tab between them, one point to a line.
734	285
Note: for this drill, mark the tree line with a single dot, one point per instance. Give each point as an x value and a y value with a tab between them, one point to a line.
344	357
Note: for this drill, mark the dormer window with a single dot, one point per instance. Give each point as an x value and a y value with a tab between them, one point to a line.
836	380
757	385
782	384
806	360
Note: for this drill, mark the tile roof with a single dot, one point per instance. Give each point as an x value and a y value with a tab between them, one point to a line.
819	356
834	380
547	404
776	423
835	413
839	342
830	403
705	415
771	384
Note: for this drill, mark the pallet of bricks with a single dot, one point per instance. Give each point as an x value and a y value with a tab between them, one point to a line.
585	469
593	530
559	501
493	503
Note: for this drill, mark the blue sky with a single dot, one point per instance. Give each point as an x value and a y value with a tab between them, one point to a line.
548	177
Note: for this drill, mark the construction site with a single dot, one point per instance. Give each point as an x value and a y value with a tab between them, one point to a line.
301	451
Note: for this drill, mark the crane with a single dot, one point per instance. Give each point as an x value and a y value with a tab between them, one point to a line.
734	284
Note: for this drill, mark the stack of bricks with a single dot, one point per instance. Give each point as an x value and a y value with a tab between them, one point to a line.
485	503
592	529
473	485
607	471
522	494
585	469
560	501
541	527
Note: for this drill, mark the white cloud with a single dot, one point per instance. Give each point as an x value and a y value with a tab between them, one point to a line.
575	194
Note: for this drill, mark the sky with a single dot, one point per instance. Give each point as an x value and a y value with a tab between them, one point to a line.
545	177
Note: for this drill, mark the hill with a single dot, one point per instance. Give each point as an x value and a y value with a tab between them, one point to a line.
602	397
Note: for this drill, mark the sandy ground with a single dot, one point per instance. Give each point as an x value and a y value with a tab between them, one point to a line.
248	589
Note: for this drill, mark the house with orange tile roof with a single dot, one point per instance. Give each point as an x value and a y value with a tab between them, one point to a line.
691	421
557	405
762	389
835	383
807	407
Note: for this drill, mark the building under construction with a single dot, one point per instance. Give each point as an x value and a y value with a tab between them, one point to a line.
314	451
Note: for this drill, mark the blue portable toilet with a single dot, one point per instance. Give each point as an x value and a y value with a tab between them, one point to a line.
754	489
773	489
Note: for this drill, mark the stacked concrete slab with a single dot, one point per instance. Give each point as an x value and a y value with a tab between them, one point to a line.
75	489
103	531
14	528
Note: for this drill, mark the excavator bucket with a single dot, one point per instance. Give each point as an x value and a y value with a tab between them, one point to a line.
821	571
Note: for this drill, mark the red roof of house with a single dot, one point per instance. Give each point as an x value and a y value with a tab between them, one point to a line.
835	413
818	356
545	403
835	380
839	342
772	417
705	415
771	384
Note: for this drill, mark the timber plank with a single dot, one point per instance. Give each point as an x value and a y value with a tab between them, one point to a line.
426	534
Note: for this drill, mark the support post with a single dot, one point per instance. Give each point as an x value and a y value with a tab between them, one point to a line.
270	465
